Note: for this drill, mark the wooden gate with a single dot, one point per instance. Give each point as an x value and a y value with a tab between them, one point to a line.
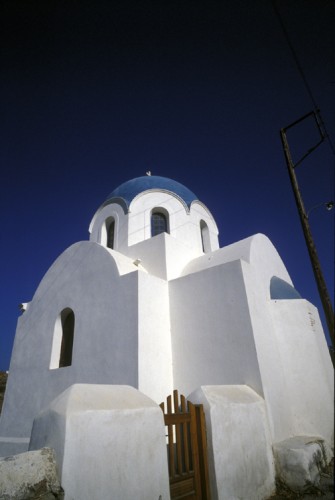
187	449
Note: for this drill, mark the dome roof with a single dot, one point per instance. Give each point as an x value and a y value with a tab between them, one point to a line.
128	190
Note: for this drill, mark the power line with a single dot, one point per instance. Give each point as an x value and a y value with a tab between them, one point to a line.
303	76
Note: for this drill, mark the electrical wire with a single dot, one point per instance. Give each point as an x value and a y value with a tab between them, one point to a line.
303	76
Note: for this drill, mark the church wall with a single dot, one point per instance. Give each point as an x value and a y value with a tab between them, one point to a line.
240	456
154	338
308	370
109	442
151	254
85	278
200	212
292	362
140	214
212	338
184	224
162	256
177	256
270	363
121	225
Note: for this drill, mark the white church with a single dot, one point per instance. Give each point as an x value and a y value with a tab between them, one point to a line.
149	304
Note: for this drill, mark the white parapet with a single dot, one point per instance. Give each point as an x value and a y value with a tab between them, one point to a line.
109	443
239	443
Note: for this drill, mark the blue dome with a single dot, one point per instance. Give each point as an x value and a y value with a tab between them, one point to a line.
128	190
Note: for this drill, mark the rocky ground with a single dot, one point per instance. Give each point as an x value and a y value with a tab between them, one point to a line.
324	491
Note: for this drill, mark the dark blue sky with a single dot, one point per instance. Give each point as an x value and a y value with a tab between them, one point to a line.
96	93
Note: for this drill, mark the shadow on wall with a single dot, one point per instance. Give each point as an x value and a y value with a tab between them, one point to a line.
3	382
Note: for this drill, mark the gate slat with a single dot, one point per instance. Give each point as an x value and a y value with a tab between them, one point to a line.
178	438
202	440
195	448
170	440
185	435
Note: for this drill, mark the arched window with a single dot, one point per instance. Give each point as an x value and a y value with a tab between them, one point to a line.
62	345
159	221
205	240
110	230
67	318
107	234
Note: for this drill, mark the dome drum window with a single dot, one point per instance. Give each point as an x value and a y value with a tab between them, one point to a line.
108	233
159	221
110	229
205	238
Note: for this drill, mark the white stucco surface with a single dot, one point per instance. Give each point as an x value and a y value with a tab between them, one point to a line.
239	450
134	226
155	376
109	443
105	348
308	377
212	338
172	311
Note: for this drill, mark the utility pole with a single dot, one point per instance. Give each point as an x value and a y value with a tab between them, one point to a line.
321	284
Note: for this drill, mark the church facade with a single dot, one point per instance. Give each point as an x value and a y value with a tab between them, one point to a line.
152	302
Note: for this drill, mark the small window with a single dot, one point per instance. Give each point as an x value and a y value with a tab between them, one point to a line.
62	345
67	318
159	222
205	240
110	229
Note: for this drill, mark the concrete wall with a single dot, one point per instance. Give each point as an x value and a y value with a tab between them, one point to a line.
134	226
227	330
96	227
163	256
294	361
109	443
239	444
212	337
308	371
86	279
154	338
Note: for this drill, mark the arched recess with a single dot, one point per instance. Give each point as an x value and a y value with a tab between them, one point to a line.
205	239
62	345
108	233
159	221
281	290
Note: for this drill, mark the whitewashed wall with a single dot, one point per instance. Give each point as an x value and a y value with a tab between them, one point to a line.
135	226
109	443
86	279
